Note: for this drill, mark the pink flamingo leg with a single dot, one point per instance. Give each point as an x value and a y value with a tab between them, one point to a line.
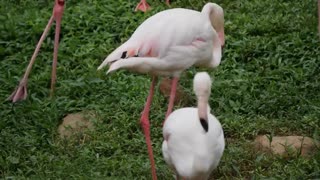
57	12
142	6
20	92
145	124
172	96
168	2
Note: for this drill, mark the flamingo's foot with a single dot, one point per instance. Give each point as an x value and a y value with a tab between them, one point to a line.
143	6
19	94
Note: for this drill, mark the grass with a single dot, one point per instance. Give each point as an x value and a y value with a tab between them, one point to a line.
268	83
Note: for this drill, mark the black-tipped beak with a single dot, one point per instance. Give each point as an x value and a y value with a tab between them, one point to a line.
204	124
124	55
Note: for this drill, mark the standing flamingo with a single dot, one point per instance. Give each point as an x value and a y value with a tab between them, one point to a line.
193	138
144	6
20	92
166	44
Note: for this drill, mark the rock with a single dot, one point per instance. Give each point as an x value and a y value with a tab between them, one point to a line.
76	123
181	96
286	145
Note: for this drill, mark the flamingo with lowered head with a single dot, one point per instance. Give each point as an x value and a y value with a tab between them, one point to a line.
193	138
166	44
20	93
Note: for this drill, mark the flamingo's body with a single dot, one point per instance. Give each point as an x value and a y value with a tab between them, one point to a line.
194	140
144	6
168	43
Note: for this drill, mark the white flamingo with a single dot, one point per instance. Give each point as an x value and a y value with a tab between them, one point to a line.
194	140
168	43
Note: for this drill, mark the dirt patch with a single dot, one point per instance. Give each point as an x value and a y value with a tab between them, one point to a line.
287	145
76	124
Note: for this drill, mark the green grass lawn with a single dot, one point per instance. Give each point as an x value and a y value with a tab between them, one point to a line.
268	83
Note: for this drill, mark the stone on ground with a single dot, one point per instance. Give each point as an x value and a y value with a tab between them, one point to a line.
287	145
75	123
